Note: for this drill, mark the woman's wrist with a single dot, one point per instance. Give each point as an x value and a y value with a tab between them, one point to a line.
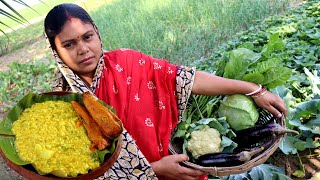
260	91
255	91
156	167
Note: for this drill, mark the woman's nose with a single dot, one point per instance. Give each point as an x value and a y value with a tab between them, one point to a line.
82	48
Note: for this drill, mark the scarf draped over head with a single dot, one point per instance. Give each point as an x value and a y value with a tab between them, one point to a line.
68	80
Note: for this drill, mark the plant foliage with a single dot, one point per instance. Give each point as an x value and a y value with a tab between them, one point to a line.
299	51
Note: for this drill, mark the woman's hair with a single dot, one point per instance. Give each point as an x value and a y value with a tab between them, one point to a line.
59	15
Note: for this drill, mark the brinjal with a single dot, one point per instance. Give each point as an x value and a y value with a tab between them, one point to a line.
255	134
227	159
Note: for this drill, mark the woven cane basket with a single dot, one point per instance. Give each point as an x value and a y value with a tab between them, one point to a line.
264	117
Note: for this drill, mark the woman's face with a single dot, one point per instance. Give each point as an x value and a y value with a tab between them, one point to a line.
78	45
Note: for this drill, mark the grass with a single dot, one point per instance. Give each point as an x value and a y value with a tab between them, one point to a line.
179	31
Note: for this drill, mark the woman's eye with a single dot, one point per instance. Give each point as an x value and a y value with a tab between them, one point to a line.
69	45
88	36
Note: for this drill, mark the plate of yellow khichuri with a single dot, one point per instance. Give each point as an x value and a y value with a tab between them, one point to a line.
60	135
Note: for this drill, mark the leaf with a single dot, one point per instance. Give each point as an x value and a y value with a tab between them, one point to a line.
13	10
25	4
185	146
275	43
180	133
287	145
297	123
314	125
247	45
227	144
299	144
254	77
265	66
299	174
218	126
102	154
261	172
314	80
277	77
9	15
13	115
266	172
183	125
7	145
306	108
242	176
205	121
238	63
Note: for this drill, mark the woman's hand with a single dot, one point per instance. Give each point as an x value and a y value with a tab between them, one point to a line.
169	167
273	103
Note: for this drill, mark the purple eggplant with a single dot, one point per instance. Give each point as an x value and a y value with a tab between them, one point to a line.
247	137
227	159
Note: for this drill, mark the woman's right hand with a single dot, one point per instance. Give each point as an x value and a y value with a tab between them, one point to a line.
169	167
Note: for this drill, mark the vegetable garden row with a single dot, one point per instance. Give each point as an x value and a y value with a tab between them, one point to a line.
282	53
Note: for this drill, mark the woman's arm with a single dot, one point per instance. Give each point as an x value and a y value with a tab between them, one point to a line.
211	85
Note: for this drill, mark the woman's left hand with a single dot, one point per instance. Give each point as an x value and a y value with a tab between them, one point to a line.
273	103
169	167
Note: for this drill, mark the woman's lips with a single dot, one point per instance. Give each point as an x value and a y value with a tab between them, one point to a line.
87	60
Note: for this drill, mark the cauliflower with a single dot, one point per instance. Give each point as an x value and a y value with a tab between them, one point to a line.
204	141
315	176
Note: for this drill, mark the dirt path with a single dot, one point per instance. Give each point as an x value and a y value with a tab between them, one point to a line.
37	50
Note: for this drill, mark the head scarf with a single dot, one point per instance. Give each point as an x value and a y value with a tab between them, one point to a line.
67	80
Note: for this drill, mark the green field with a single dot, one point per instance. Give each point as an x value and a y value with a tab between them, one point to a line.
179	31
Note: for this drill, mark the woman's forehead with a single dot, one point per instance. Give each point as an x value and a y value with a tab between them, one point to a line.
74	28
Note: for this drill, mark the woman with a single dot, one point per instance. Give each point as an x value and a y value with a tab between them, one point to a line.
148	94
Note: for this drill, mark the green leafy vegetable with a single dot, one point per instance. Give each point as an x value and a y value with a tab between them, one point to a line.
299	51
260	68
240	111
263	171
201	113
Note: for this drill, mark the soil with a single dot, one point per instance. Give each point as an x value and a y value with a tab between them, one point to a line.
33	51
311	163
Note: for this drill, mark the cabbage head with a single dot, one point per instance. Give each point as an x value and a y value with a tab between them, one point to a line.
239	110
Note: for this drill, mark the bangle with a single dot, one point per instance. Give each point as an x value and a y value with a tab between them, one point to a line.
260	93
249	94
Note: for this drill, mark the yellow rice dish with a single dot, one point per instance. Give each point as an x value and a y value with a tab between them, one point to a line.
47	136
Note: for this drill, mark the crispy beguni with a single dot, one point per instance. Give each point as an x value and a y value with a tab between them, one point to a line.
109	123
94	132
